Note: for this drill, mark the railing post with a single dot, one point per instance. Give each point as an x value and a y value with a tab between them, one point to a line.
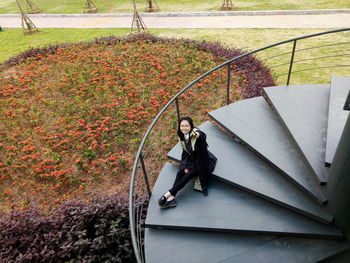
291	62
145	176
228	83
347	103
177	109
132	230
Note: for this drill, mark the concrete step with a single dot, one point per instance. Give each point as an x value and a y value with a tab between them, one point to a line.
253	122
228	209
303	110
240	167
173	246
340	257
290	249
337	117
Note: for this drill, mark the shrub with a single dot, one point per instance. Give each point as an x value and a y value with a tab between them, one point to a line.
95	231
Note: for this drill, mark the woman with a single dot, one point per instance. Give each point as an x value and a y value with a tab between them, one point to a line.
196	161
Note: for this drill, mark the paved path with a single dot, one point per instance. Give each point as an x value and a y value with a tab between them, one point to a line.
257	19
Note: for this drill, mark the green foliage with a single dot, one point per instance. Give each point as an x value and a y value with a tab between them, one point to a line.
55	156
95	231
89	154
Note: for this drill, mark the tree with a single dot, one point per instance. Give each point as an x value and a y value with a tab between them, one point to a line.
27	24
227	5
137	25
90	7
151	6
32	8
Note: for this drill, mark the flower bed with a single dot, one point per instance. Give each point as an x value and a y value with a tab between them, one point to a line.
72	116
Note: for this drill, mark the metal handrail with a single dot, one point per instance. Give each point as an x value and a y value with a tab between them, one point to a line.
303	70
310	59
227	63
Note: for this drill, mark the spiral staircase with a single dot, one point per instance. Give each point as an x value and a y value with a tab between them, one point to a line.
268	195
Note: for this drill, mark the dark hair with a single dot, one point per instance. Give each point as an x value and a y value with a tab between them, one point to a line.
179	132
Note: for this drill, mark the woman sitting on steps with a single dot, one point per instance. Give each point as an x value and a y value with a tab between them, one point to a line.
196	161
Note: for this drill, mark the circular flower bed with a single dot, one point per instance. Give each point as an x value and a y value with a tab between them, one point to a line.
72	116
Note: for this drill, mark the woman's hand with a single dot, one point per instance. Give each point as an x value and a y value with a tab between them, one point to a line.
186	171
196	134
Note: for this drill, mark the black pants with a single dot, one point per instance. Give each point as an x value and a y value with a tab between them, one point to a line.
182	179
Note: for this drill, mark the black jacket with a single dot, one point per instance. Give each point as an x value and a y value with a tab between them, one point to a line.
195	154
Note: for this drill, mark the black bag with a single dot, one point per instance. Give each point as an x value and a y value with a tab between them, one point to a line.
212	162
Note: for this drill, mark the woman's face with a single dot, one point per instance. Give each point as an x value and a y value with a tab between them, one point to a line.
185	127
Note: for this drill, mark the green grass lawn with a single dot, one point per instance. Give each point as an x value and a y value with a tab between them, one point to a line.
13	42
251	39
109	6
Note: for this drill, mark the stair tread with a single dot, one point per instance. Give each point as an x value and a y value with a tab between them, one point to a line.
230	210
242	168
254	122
172	246
290	249
340	257
340	87
309	132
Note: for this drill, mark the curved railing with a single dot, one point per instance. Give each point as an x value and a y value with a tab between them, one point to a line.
316	54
